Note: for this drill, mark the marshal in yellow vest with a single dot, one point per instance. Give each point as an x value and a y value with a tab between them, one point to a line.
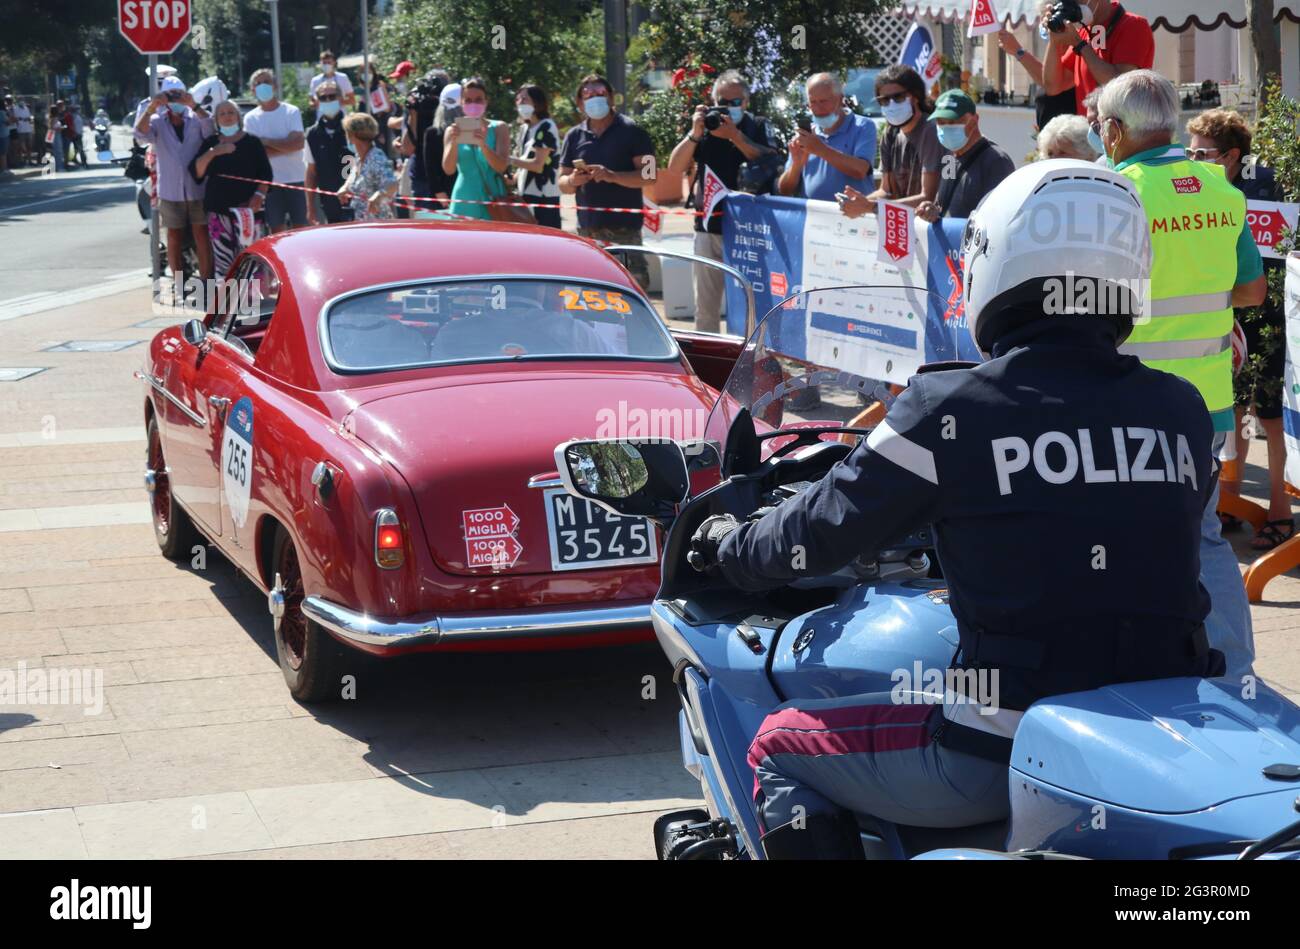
1196	216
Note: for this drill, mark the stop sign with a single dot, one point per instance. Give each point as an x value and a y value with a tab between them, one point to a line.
153	26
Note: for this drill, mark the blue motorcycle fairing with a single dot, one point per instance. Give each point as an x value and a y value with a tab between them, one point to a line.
872	639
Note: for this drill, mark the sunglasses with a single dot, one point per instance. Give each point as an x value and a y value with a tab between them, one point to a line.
327	98
1201	154
896	97
175	96
738	101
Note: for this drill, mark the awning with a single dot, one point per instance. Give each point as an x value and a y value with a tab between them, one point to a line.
1174	16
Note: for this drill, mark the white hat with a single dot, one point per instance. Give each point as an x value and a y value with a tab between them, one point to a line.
163	70
450	96
1047	220
171	84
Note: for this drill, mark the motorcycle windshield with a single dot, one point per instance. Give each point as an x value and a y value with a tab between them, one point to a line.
828	358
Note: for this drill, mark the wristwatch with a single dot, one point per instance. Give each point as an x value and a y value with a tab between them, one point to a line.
694	139
1078	47
1020	53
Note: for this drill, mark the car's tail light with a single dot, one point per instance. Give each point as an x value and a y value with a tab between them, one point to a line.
390	545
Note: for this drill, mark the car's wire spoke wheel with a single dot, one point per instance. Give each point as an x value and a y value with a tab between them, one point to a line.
293	624
162	492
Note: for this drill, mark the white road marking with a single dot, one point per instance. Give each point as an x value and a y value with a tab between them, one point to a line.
72	436
64	197
53	299
74	515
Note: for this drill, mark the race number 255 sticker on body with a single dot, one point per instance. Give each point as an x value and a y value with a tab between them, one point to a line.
575	299
237	460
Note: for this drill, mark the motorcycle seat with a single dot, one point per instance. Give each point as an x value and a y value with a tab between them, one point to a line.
884	840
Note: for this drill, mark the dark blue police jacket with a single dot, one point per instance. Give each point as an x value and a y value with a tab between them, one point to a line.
1066	484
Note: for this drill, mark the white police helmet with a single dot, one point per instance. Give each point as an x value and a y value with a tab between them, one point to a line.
1047	231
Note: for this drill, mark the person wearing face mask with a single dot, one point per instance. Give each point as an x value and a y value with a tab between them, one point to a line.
1094	124
981	166
372	182
175	128
607	160
325	154
478	155
279	126
233	207
329	71
535	154
1222	137
1205	262
738	137
1097	41
837	155
1066	136
911	157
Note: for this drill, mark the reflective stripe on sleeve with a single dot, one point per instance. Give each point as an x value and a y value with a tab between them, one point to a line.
1191	304
1180	349
903	452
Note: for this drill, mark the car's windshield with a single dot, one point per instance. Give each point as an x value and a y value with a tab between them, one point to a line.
491	320
824	357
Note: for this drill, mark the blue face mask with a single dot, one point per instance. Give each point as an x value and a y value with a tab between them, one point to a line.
736	114
177	107
952	137
352	148
1095	140
824	122
229	130
897	113
597	107
329	109
264	91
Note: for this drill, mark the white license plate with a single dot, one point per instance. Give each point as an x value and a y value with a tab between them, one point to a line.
584	535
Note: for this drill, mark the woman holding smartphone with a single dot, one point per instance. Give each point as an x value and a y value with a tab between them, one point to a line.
534	157
476	150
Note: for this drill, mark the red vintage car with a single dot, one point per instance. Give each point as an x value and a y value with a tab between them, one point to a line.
369	438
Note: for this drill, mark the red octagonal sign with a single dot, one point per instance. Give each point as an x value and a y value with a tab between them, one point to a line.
153	26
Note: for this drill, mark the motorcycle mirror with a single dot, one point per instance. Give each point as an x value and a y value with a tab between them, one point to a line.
627	478
193	332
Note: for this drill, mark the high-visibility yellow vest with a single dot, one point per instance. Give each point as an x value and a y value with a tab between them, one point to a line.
1196	216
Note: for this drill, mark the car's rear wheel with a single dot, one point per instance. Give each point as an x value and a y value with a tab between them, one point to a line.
312	661
172	527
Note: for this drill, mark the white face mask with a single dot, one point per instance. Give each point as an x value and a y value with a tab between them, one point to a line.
525	110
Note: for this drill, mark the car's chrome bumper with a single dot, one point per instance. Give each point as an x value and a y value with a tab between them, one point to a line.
430	628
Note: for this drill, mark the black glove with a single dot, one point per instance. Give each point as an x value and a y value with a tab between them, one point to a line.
706	540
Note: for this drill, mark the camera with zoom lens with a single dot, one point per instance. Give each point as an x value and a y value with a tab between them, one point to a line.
1063	12
713	117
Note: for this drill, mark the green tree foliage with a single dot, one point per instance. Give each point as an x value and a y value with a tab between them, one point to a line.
553	43
1276	145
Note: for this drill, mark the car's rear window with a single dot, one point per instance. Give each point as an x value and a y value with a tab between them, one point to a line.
491	320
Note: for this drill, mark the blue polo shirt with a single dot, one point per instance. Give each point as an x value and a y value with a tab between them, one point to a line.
856	136
614	148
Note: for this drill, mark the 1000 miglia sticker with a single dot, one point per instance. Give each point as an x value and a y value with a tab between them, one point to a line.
237	460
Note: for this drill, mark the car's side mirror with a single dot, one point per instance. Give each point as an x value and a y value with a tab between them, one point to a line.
193	332
628	478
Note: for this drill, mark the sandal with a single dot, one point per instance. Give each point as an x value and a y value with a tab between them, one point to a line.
1269	536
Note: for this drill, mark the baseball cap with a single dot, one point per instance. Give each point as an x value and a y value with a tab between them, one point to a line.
953	104
171	84
402	69
450	96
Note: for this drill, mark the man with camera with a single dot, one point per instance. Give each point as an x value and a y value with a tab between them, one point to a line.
722	138
1090	43
839	153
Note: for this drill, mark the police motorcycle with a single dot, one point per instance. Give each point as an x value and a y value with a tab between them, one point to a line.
1171	769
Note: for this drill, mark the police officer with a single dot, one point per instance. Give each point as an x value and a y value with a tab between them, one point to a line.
1065	483
1204	262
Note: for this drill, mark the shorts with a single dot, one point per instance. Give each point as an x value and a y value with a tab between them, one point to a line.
176	215
284	203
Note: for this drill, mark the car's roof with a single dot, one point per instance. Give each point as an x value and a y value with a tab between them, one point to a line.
318	264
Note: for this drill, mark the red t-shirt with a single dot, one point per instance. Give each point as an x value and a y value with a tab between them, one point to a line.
1130	43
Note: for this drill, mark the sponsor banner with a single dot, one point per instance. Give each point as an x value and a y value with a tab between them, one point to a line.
1291	377
920	53
983	19
1267	221
787	245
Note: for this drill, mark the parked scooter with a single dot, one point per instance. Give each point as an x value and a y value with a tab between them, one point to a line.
1168	769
